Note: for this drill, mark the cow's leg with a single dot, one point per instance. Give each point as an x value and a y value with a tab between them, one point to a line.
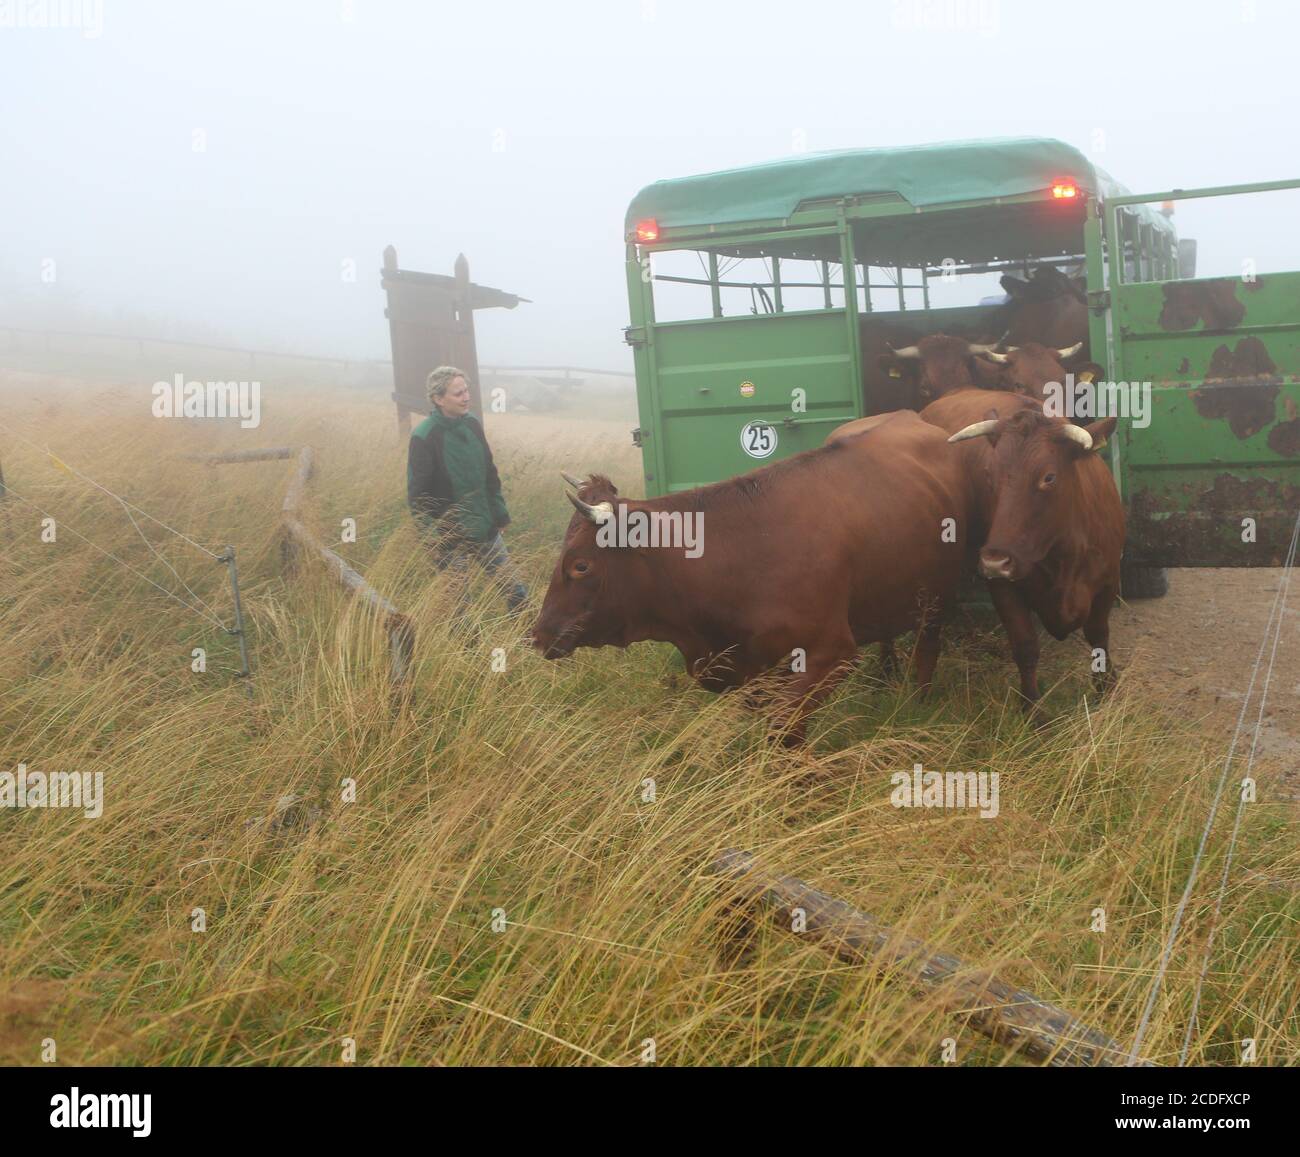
826	665
888	659
928	641
1096	629
1022	633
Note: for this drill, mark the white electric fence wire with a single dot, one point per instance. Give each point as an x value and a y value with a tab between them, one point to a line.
1278	612
203	610
127	508
1209	823
131	506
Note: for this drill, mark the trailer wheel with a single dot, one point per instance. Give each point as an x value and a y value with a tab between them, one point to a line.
1143	582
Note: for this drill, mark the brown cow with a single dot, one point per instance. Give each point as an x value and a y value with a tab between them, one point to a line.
803	561
1046	516
1028	368
938	364
1050	308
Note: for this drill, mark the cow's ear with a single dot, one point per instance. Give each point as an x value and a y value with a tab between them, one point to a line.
1100	431
599	488
891	365
1089	372
1013	285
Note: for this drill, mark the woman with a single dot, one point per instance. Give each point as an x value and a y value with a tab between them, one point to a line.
454	491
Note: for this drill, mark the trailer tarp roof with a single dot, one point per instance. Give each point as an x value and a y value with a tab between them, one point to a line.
924	175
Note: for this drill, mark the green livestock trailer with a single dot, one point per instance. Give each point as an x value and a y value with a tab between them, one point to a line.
848	251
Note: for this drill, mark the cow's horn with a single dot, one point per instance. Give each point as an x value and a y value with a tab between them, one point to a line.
1069	351
601	512
993	355
980	348
908	351
1078	434
571	480
975	430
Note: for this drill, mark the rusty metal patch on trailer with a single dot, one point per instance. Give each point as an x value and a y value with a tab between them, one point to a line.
1203	527
1241	386
1212	302
1284	438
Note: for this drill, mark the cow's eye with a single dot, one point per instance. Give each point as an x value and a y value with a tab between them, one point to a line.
1049	479
581	567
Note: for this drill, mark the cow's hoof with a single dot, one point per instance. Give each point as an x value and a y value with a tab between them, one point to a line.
1104	684
1035	715
790	736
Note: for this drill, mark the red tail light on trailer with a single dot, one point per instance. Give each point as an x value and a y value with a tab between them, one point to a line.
1065	190
647	230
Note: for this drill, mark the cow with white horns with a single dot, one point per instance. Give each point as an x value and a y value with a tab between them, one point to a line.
1029	368
804	561
1048	521
938	364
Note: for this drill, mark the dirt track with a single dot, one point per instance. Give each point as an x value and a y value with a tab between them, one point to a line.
1197	646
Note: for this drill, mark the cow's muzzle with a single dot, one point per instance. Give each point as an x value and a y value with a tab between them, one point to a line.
554	646
997	564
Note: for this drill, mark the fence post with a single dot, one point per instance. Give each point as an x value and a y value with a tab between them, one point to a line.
464	307
401	645
228	557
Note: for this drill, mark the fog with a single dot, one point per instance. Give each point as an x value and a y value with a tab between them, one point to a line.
212	169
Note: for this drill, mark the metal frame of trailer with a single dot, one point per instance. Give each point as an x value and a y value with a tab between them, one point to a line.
1221	354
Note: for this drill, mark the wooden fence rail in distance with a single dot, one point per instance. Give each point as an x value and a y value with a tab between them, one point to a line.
252	354
1035	1029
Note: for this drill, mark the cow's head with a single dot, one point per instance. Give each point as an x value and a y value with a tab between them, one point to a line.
1035	463
937	365
594	592
1049	307
1046	283
1027	368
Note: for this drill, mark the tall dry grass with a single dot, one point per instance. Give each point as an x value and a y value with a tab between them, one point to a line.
523	792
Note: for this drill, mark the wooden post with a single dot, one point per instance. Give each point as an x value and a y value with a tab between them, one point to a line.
401	646
269	454
228	558
401	634
431	323
403	414
1012	1017
465	328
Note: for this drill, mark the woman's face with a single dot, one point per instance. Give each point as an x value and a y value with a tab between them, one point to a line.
455	402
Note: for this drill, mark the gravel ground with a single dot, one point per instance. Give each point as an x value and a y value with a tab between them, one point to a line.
1197	647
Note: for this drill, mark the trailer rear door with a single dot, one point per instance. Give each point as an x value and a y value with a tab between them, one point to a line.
1211	477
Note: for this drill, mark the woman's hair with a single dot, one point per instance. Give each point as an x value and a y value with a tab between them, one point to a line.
441	378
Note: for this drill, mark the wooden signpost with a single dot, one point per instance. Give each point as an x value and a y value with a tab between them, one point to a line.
431	324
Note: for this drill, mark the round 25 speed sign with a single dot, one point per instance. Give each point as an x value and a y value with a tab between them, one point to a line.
758	439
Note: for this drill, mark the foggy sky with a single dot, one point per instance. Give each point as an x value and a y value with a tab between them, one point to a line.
519	132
